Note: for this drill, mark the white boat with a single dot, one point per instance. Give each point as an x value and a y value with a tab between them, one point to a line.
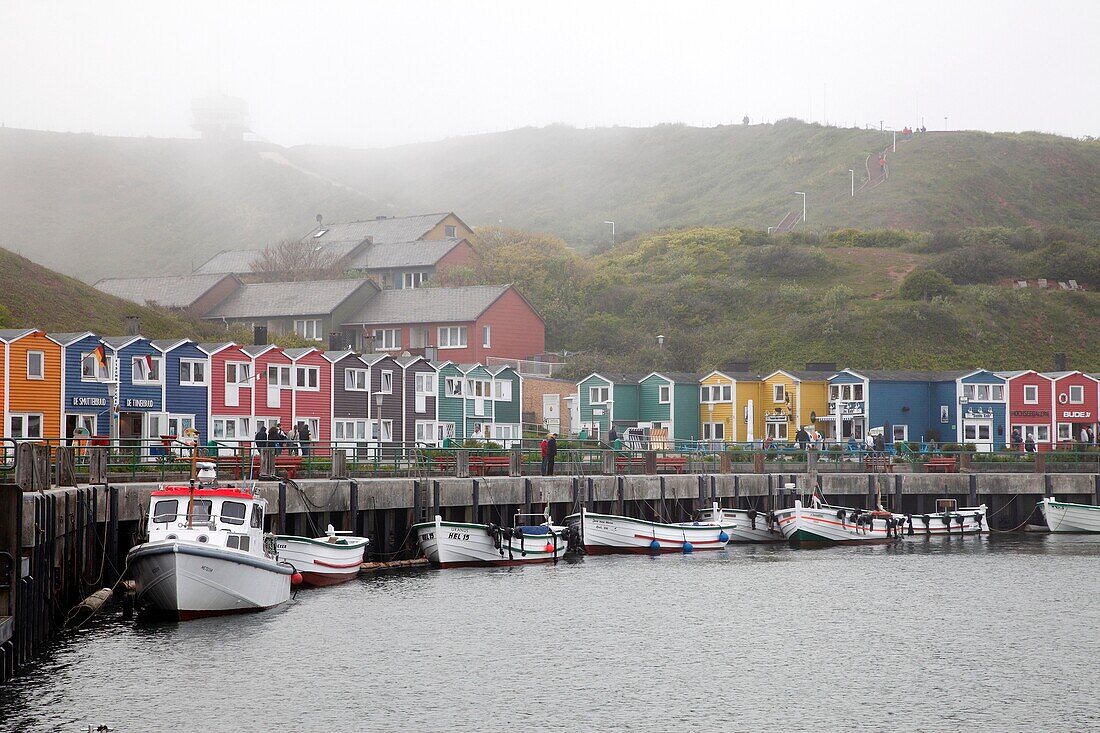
610	533
821	525
207	553
949	519
334	558
1062	516
460	544
749	525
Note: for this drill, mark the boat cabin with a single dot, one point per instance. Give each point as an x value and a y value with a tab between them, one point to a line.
225	517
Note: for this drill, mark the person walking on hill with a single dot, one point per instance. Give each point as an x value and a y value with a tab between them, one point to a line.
551	453
542	447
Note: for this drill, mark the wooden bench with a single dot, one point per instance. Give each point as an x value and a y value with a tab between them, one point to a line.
675	464
941	464
878	463
290	464
481	465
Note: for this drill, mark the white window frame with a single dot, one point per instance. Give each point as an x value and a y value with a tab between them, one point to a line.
387	339
454	387
356	380
242	373
486	337
1033	390
309	328
1065	432
24	419
313	423
714	431
444	430
599	395
181	423
102	374
311	381
998	393
779	393
664	394
411	280
349	429
450	231
451	337
191	365
482	388
385	381
387	430
1037	433
904	433
424	431
282	376
138	365
424	383
772	430
502	390
1080	394
41	373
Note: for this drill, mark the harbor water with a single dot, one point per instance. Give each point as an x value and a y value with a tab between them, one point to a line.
996	633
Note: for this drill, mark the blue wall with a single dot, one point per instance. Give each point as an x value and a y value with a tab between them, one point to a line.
76	390
137	397
1000	437
187	400
886	400
944	393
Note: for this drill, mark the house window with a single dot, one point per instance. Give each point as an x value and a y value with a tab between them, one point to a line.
385	382
425	431
425	384
502	390
453	386
355	380
313	424
714	431
1031	394
231	427
411	280
25	426
146	369
351	430
309	328
599	395
450	231
92	371
505	432
1065	431
479	388
308	377
664	393
237	372
998	393
486	335
178	423
1077	395
386	435
36	365
192	372
901	433
387	339
776	430
857	392
983	393
1038	433
444	430
452	337
278	376
779	393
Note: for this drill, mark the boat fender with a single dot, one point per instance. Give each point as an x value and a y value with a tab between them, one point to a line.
959	519
549	547
841	514
687	548
771	520
296	578
909	517
655	545
751	514
723	537
926	519
978	519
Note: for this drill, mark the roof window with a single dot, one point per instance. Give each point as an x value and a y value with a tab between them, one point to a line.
319	233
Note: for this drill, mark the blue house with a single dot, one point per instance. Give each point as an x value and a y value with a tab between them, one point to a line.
907	406
140	376
982	399
85	400
186	387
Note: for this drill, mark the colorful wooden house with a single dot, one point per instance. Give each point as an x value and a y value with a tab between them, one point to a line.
85	398
608	399
32	385
669	402
233	382
419	390
386	406
729	406
311	396
981	398
142	419
1076	400
349	382
273	397
478	402
507	424
1030	407
794	399
185	389
450	401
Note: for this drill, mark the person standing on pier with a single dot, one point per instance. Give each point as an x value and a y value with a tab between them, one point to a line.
551	453
1017	439
542	447
304	437
260	439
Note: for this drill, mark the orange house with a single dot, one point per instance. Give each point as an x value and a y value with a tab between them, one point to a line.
32	384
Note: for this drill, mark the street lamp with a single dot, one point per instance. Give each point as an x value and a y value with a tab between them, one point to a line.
661	340
799	193
853	181
612	230
771	229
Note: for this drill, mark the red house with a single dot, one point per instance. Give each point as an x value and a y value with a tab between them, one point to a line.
1076	398
232	382
311	398
1030	407
274	393
464	325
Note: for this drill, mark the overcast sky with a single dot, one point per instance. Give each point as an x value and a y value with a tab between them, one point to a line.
381	73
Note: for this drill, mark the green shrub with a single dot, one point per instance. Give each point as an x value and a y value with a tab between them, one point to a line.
925	284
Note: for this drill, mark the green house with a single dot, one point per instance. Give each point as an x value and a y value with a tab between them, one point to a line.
670	400
606	400
507	424
475	401
450	402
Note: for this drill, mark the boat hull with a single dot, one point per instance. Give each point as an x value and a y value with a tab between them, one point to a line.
456	545
1063	516
744	530
948	524
604	534
805	527
186	580
321	562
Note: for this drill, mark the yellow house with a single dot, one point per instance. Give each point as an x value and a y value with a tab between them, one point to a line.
730	407
794	399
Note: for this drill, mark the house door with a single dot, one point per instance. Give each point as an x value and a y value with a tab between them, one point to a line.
980	433
551	412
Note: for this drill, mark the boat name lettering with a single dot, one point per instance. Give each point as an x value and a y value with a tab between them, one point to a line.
207	569
89	401
139	402
462	536
427	536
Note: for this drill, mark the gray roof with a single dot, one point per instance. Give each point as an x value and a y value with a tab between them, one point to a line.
11	334
808	376
168	344
119	342
212	347
738	376
891	375
679	377
305	298
388	255
385	229
176	291
298	353
227	261
428	305
68	337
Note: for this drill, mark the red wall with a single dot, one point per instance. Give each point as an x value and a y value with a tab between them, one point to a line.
1043	410
315	404
217	384
462	254
1080	414
284	411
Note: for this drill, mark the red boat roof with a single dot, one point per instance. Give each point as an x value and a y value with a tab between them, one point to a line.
223	491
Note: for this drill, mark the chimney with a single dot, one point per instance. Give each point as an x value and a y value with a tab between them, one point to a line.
336	341
1060	362
319	220
821	366
259	335
133	325
736	366
429	353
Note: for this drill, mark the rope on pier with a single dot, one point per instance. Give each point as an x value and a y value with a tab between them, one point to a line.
1018	527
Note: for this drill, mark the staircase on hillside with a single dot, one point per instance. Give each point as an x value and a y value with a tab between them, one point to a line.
788	222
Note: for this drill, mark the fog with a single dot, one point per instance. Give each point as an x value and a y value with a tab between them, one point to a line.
377	74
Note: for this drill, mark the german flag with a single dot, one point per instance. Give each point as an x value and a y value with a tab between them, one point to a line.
101	354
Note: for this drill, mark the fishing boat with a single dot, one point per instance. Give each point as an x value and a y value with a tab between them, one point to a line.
207	553
460	544
1062	516
749	525
821	524
603	534
949	519
334	558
